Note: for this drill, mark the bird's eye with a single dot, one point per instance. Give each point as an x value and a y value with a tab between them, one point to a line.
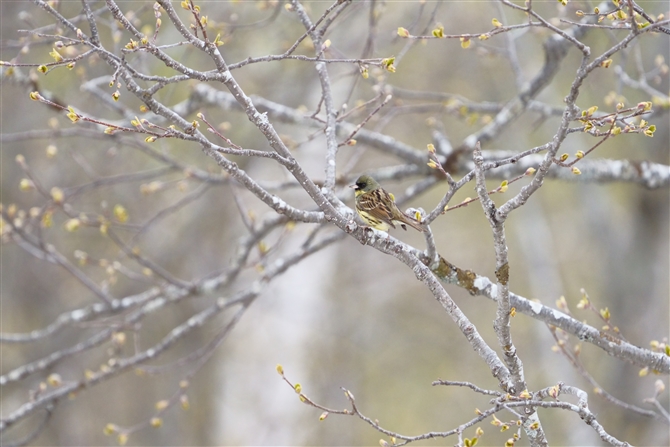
360	185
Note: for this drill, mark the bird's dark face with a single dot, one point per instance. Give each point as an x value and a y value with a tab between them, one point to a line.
365	183
360	185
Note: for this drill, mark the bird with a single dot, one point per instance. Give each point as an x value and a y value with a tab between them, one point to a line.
377	207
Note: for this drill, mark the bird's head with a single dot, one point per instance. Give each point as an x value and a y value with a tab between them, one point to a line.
364	184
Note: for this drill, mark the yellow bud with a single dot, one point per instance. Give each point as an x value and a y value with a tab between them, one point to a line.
162	405
298	388
605	313
645	106
26	184
659	386
579	154
496	23
351	142
606	63
280	369
183	400
47	219
465	42
156	422
323	416
72	224
402	32
643	372
120	213
54	380
576	171
109	429
122	438
56	55
57	195
51	151
119	338
35	96
72	115
150	139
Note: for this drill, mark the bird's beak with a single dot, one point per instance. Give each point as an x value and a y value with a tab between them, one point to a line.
353	186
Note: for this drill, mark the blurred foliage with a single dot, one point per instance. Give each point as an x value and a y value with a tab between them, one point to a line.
349	316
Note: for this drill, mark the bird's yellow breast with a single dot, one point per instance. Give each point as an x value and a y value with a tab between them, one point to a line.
373	221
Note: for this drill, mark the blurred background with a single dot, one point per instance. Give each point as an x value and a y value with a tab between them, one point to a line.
348	316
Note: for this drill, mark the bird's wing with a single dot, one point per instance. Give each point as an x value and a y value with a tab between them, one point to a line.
375	203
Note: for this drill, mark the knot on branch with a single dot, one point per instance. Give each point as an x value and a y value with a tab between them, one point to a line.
502	274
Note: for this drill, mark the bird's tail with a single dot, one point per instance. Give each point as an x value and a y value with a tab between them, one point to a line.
414	223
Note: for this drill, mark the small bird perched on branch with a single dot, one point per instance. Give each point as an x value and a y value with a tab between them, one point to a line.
377	207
